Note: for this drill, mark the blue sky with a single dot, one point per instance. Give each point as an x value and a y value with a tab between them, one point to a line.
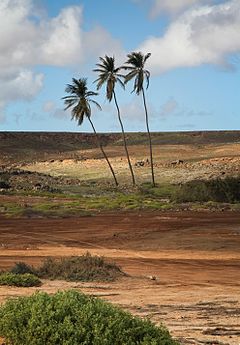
195	74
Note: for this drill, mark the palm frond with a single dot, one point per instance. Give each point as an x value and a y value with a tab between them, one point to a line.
130	76
79	99
135	64
120	82
91	93
147	75
146	57
96	103
108	74
101	80
69	103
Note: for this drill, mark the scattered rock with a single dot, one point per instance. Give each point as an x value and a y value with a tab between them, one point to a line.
17	179
177	162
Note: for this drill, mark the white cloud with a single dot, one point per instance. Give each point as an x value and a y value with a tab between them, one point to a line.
173	108
48	106
61	114
174	6
29	38
25	41
99	42
18	84
52	109
133	111
205	35
169	107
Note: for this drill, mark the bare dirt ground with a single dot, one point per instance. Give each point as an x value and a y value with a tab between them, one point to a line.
194	258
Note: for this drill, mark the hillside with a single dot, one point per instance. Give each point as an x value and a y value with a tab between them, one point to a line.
28	146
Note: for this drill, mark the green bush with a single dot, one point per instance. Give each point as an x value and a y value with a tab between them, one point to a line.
79	268
71	318
24	280
219	190
22	268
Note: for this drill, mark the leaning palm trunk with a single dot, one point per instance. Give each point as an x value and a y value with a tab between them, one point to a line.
149	137
103	152
124	139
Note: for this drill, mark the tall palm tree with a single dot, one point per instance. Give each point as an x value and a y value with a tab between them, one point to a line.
135	66
109	74
80	100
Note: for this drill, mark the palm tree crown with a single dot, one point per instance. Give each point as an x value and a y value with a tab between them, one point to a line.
109	74
79	99
135	66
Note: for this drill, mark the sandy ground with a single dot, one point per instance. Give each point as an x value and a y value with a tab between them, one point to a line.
199	162
194	257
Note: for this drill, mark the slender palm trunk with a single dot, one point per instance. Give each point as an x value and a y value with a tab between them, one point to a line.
149	137
124	139
103	152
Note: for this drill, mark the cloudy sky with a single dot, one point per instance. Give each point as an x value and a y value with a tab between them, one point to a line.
195	61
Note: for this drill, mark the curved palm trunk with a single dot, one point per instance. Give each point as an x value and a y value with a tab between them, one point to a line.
103	152
124	139
149	137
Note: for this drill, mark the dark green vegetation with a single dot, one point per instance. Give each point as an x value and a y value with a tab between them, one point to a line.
79	268
76	268
22	268
21	280
219	190
71	318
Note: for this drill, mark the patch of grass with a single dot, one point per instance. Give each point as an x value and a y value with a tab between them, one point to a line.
235	207
72	318
160	191
79	268
86	205
11	209
21	280
162	197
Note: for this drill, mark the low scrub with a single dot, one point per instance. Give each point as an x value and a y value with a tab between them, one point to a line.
219	190
23	280
79	268
71	318
22	268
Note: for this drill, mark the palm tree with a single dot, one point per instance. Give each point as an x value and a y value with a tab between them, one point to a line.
109	74
80	101
135	66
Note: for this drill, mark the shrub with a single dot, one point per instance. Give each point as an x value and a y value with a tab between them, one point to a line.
24	280
71	318
219	190
4	185
22	268
79	268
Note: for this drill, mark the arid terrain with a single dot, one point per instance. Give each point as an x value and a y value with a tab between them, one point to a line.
183	267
